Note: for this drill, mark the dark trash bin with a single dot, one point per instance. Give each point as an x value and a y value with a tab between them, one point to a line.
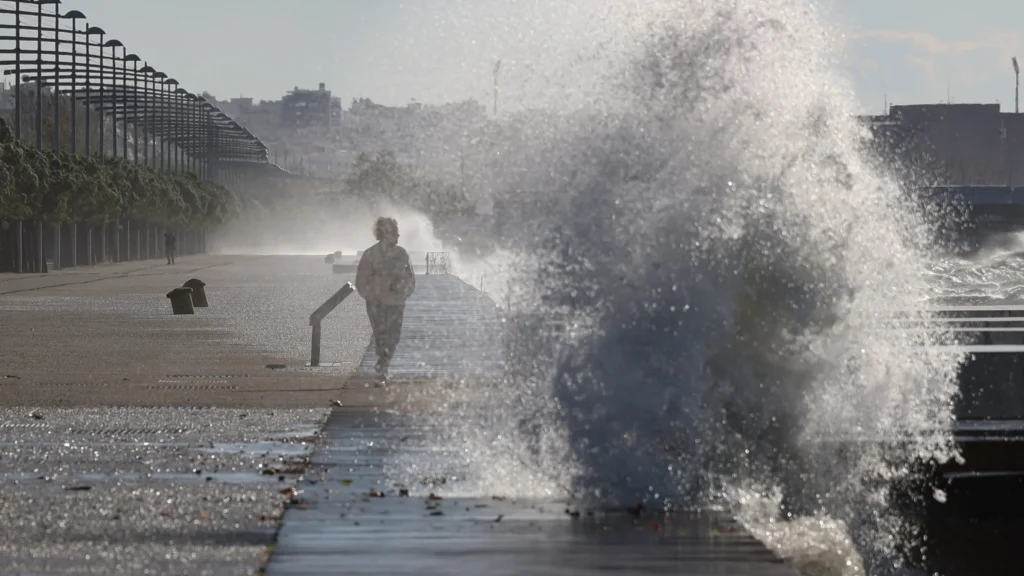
181	301
198	292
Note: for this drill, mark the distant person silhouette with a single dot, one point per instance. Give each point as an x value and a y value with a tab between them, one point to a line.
385	279
170	245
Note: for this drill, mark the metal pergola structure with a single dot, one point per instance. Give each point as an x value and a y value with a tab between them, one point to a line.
131	111
140	114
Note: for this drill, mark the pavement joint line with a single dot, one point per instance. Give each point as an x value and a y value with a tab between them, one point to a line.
130	274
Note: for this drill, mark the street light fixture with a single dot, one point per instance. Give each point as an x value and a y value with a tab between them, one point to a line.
158	117
146	98
39	83
170	125
74	16
1016	96
134	59
181	123
56	77
92	31
113	44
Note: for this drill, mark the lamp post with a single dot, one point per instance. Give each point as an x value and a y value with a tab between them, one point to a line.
91	31
181	124
17	97
1016	92
134	106
169	126
188	129
56	81
194	106
113	44
158	116
103	115
39	116
74	16
146	98
202	141
39	86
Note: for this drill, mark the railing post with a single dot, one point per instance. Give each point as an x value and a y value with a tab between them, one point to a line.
318	316
314	355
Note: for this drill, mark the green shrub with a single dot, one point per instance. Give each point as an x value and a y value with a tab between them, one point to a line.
60	187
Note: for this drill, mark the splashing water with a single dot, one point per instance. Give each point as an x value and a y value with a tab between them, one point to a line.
316	229
701	320
990	277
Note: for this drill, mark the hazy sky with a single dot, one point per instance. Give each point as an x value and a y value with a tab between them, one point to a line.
909	51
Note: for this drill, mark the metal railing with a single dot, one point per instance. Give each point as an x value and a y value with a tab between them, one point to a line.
317	317
438	262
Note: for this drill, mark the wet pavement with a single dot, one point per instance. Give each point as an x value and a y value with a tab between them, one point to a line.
351	519
97	489
450	330
147	490
106	335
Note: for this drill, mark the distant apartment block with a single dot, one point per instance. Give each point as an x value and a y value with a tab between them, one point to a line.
957	144
304	108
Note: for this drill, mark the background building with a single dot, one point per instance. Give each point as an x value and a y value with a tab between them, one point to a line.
954	144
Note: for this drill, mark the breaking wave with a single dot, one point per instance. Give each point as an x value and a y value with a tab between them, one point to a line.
701	320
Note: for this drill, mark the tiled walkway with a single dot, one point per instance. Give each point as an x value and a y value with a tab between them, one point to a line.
341	525
350	519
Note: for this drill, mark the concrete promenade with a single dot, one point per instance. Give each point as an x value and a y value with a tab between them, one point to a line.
353	519
133	441
105	335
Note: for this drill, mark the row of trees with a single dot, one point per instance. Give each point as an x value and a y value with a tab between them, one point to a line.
58	187
382	177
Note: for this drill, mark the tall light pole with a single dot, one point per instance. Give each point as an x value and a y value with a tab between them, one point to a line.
39	82
146	109
90	31
103	115
74	16
17	93
132	104
113	44
1016	97
171	136
56	77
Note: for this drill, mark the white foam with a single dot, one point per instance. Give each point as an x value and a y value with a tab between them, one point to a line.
719	262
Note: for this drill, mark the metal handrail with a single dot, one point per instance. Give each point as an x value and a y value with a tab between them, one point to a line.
438	262
317	317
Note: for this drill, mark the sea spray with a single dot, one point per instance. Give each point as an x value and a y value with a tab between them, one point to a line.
703	313
318	226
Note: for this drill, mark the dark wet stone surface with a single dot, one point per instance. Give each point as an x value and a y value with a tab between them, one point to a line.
349	519
146	490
